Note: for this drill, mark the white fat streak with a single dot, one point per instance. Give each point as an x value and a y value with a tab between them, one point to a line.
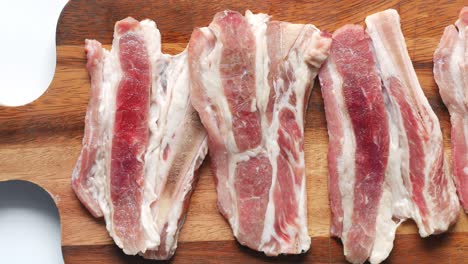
346	161
382	55
396	201
397	172
178	100
211	79
99	169
258	24
272	151
152	39
385	228
112	74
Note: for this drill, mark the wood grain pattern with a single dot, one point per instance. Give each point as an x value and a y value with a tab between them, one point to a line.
40	142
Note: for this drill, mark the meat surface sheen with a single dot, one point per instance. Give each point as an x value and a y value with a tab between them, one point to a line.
251	78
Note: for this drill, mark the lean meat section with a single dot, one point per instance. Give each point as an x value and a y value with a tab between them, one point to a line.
251	79
143	141
451	75
386	160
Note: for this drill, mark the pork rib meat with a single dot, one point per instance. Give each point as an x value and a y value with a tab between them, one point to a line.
251	79
143	141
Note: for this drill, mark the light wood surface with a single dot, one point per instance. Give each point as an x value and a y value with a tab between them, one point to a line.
40	142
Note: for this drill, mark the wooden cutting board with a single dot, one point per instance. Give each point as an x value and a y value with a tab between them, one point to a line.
40	142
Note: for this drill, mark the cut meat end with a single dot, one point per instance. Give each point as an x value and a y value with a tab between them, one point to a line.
130	139
450	72
355	95
83	174
422	169
250	80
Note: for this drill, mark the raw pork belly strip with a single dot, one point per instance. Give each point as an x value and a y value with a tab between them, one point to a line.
143	141
430	197
359	140
385	158
251	78
451	74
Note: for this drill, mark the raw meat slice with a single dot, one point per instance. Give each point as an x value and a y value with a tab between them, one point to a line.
145	141
359	140
451	75
417	144
251	79
386	161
